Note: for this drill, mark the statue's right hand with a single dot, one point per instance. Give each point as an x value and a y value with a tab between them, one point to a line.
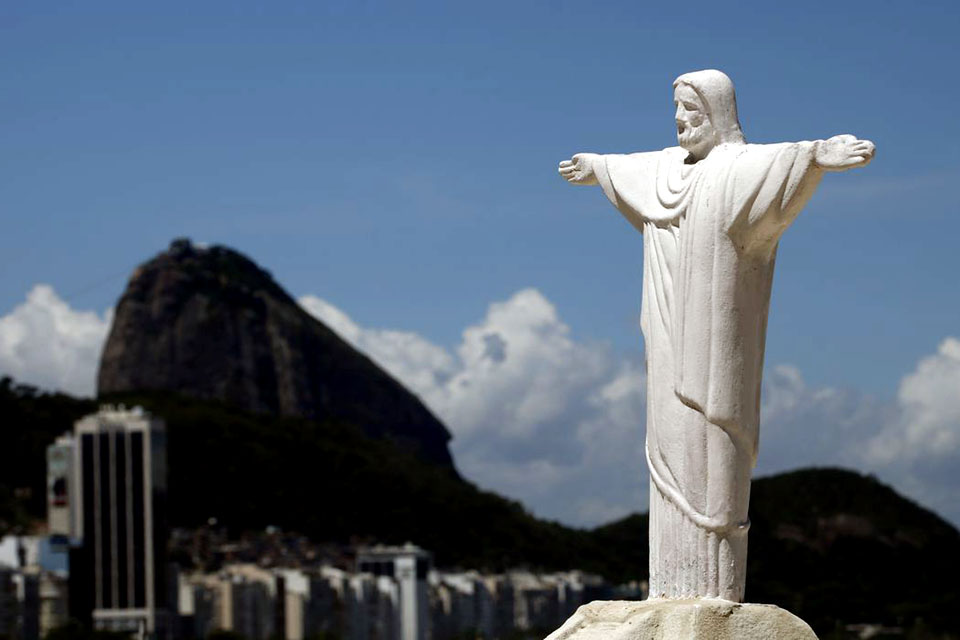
843	152
579	169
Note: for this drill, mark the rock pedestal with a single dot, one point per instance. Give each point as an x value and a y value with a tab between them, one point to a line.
698	619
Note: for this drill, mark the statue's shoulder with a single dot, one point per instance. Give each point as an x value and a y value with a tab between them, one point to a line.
650	155
669	155
679	152
642	161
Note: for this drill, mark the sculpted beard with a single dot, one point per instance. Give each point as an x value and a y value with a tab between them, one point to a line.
695	138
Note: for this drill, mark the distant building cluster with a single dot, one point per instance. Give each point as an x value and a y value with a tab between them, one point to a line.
105	566
33	587
394	593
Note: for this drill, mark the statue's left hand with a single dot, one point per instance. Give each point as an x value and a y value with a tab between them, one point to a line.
579	169
843	152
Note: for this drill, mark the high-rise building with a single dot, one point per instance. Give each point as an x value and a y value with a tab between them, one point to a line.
408	566
118	489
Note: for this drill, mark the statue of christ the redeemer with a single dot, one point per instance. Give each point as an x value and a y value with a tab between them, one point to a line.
711	211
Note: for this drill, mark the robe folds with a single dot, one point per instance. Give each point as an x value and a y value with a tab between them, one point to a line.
710	230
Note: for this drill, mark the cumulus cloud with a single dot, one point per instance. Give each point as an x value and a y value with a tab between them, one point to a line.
45	342
417	362
803	425
929	425
918	449
535	413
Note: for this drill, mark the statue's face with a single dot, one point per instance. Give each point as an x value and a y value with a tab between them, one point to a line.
695	133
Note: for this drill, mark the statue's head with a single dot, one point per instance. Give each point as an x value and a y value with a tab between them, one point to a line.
706	112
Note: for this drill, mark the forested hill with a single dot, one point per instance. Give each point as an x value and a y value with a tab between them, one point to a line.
833	545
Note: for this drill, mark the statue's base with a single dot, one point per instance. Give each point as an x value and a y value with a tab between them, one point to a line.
698	619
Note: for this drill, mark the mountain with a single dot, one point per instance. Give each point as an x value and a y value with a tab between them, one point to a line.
211	324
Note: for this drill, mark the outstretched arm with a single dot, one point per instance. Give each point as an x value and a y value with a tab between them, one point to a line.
628	181
774	182
843	152
580	169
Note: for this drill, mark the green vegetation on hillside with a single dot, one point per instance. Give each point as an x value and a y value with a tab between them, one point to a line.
30	421
333	483
833	546
861	552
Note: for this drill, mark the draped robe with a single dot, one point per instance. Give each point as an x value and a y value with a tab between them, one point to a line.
710	231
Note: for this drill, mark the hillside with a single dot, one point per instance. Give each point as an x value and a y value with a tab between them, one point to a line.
856	546
327	479
209	323
833	545
828	544
31	420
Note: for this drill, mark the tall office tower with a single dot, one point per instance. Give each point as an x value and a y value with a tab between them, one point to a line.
409	566
118	571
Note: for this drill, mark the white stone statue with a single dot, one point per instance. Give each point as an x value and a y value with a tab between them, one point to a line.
711	212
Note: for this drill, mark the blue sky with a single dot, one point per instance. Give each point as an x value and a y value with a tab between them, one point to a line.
398	162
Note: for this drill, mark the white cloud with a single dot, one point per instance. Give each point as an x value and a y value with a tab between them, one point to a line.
519	370
804	426
929	424
918	449
45	342
417	362
536	414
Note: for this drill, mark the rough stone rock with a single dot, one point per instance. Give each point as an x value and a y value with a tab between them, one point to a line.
695	619
209	323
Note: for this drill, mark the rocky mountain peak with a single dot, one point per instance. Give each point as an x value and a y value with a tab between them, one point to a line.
208	322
